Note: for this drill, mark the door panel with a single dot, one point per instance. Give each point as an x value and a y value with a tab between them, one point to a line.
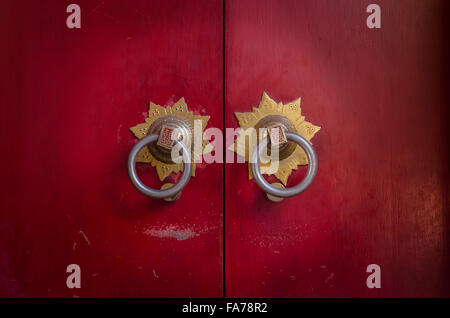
69	97
381	192
68	100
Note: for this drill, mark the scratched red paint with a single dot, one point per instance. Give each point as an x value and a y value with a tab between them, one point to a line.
380	196
381	191
68	99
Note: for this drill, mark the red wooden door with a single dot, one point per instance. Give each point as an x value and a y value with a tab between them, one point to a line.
381	192
68	99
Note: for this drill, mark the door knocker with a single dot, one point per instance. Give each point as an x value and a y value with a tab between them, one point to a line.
167	130
284	128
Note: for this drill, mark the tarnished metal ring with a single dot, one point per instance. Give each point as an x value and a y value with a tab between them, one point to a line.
158	194
288	192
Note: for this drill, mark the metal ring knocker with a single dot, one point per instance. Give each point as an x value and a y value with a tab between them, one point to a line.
159	194
288	192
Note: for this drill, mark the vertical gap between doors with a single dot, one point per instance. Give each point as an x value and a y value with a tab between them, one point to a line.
224	149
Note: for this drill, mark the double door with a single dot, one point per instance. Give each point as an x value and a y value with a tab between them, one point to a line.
71	95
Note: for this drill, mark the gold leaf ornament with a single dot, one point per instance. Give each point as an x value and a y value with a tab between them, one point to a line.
180	110
292	111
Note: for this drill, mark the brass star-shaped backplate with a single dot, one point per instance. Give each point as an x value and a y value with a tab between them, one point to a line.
179	109
292	111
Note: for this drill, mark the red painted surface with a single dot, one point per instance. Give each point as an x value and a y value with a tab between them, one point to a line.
68	98
381	192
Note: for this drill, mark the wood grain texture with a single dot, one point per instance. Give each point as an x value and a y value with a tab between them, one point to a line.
68	98
381	192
